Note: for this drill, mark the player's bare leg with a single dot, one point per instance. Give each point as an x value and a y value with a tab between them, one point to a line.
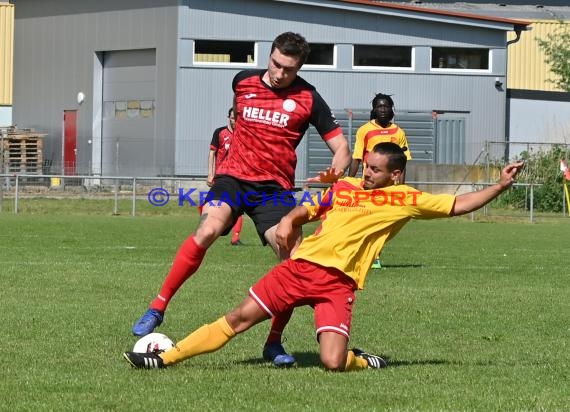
336	357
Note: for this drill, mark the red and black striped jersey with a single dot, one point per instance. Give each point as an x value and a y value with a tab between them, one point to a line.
221	141
270	124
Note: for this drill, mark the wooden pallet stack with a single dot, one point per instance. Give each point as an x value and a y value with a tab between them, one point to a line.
21	151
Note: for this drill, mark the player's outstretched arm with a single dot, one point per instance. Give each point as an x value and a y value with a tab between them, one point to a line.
469	202
285	234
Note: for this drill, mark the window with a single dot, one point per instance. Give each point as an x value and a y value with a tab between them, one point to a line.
382	56
128	109
216	51
459	58
321	54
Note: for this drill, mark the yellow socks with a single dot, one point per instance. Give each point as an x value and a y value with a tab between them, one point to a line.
212	337
208	338
353	363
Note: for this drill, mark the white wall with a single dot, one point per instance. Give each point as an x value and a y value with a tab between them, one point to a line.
5	116
539	121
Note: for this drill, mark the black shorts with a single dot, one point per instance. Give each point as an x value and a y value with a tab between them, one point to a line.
266	202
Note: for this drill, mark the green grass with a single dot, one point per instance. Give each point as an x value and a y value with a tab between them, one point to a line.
472	316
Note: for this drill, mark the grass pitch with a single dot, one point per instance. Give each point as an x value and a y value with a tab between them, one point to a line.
471	316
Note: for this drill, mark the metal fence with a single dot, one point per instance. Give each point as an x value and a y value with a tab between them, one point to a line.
179	191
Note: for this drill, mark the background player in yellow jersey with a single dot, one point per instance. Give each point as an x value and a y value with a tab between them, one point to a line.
379	129
358	216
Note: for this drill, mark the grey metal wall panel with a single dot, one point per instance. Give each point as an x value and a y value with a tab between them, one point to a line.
419	128
262	20
450	141
128	142
534	120
211	88
474	97
55	44
421	90
204	97
420	131
56	41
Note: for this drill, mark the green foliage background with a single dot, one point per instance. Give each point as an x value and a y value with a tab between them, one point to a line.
542	168
556	46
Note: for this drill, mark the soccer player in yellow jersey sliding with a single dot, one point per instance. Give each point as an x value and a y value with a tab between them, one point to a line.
379	129
358	216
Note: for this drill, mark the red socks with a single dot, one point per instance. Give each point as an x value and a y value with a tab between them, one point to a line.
236	230
278	323
186	263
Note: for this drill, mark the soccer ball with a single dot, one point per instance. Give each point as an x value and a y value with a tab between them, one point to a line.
153	342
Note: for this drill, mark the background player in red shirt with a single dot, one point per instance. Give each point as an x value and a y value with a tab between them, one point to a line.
274	108
219	147
358	216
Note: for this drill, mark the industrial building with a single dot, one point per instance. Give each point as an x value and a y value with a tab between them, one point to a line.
130	87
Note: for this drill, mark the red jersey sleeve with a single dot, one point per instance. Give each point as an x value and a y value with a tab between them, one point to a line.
323	119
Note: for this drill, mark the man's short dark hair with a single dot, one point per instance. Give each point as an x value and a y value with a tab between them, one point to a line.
396	156
230	112
292	44
380	96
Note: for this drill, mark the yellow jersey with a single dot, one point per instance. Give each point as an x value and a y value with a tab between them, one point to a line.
356	223
370	134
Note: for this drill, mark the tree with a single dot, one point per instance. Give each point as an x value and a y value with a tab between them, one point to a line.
556	46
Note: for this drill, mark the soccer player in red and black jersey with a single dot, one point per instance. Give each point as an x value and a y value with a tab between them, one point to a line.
274	108
219	148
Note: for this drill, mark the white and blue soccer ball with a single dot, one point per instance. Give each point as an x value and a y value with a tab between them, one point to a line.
153	342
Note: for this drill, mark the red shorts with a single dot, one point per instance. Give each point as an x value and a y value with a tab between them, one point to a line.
295	283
